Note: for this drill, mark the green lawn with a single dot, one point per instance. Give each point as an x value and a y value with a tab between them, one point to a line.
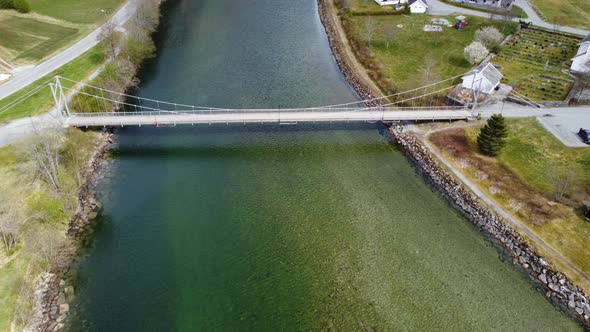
42	101
533	62
532	152
50	27
30	40
575	13
403	62
11	278
76	11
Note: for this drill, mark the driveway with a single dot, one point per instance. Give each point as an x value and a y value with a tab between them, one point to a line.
25	77
563	123
437	7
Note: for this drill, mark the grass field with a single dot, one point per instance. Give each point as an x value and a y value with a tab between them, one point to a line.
575	13
534	63
50	27
403	63
28	40
42	101
521	179
76	11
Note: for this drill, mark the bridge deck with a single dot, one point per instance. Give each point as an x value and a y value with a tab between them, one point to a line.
254	116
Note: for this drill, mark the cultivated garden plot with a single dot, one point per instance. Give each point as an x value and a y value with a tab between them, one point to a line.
535	63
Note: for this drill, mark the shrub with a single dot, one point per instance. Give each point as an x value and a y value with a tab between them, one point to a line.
475	52
22	6
6	4
491	138
489	36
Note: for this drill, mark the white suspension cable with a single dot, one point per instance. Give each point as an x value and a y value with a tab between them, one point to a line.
23	97
139	98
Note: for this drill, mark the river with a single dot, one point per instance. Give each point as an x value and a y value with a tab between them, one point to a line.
268	227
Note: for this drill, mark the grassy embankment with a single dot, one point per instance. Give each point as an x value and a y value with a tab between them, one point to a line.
42	101
527	179
574	13
37	216
34	211
411	57
50	27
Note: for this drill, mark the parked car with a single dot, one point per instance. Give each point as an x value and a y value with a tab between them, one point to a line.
584	135
587	214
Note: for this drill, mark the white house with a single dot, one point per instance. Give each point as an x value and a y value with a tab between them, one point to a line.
390	2
581	62
418	6
483	78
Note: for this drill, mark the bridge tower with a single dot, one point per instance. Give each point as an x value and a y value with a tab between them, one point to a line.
61	102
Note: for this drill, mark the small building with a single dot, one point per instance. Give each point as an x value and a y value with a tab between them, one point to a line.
418	6
491	4
581	62
390	2
483	78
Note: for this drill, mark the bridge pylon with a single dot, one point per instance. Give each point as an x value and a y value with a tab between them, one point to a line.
61	102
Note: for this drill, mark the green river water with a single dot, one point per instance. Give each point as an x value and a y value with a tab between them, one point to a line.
268	227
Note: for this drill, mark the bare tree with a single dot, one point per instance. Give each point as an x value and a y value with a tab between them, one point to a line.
369	29
43	152
45	244
563	179
108	36
390	33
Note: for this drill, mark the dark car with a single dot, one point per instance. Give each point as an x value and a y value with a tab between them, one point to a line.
587	214
584	135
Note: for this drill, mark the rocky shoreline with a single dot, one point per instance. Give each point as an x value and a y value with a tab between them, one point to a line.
556	287
54	289
345	68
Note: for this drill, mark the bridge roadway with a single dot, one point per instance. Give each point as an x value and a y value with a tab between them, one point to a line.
167	118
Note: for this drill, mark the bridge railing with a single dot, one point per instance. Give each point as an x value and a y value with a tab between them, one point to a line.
152	112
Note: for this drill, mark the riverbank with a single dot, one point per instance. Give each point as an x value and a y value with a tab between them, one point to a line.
352	71
55	288
557	288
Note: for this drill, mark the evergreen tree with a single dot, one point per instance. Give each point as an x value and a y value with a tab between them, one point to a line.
491	138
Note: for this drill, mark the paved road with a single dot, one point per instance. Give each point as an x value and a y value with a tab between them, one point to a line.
25	77
437	7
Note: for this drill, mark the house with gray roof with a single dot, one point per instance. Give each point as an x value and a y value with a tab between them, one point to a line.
483	78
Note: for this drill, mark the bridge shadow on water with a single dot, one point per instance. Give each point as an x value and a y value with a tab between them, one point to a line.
252	140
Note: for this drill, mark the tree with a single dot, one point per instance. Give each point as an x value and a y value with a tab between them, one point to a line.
491	138
475	52
489	36
390	33
43	152
563	179
22	6
108	37
369	29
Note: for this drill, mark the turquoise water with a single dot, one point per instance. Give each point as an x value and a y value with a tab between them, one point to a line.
268	227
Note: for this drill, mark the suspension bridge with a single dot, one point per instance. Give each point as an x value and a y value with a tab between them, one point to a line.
83	105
